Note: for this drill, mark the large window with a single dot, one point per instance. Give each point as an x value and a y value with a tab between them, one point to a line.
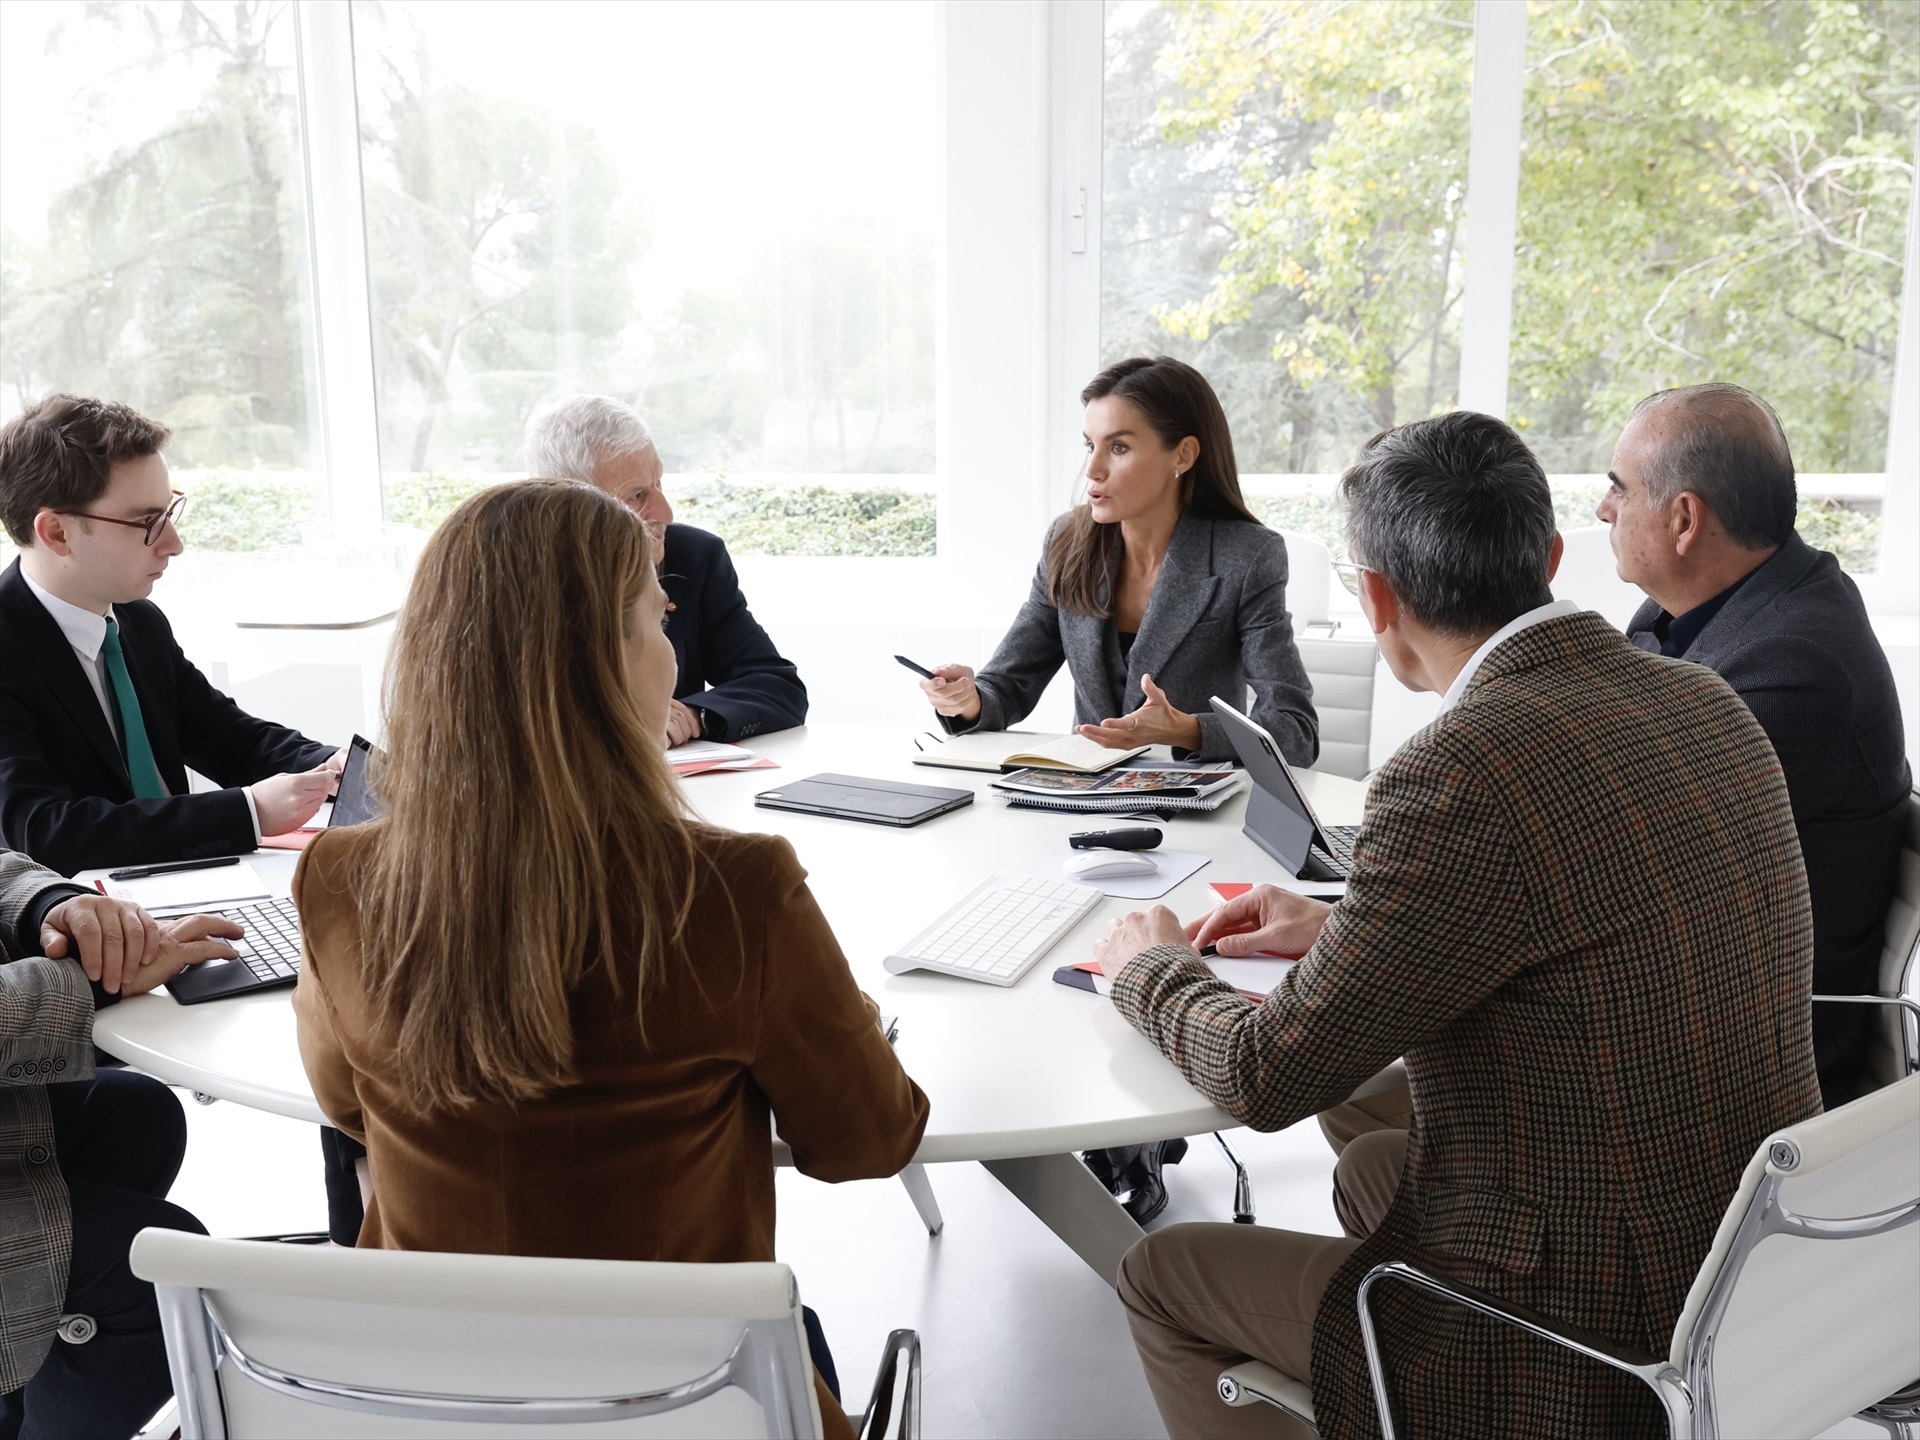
1285	187
1707	190
723	214
153	245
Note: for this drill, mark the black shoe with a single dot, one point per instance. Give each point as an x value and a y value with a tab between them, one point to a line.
1134	1171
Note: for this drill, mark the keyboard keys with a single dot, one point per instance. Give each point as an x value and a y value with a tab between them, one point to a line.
998	930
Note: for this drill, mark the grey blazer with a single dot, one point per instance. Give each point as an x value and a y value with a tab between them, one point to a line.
46	1036
1217	624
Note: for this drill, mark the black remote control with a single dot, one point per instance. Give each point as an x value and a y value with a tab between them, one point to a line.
1140	837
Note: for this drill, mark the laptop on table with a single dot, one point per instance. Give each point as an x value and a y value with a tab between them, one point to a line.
1280	818
270	950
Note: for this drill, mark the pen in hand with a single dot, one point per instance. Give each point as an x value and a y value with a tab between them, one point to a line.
917	669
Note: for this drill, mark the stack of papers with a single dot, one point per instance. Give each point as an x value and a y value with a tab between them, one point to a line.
1119	790
696	757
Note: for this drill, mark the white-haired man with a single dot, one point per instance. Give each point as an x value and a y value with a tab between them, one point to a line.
733	683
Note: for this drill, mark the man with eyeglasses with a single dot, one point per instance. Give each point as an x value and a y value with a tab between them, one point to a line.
100	712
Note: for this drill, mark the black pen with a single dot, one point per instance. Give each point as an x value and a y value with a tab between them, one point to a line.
917	669
141	872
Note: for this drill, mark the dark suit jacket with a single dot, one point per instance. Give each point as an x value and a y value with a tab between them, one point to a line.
1217	624
728	667
1794	643
65	796
1577	910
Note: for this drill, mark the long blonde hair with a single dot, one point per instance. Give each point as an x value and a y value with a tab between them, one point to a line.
534	832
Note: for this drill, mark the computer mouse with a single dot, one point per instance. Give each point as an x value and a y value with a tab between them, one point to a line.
1109	865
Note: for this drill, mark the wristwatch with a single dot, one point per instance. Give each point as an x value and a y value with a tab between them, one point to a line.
712	727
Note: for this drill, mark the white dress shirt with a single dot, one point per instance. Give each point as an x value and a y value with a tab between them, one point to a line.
1551	611
86	632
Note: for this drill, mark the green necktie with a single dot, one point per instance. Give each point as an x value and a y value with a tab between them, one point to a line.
147	784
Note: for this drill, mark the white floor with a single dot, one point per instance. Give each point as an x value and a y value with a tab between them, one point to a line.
1020	1338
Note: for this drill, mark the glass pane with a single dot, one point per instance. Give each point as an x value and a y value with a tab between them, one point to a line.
153	250
1283	208
1714	191
572	197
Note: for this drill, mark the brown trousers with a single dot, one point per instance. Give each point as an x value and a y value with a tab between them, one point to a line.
1203	1297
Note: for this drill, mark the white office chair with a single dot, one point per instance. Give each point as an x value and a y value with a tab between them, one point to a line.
1787	1331
292	1340
1587	574
1309	580
1342	673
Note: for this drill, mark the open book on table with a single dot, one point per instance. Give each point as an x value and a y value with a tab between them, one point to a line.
1018	750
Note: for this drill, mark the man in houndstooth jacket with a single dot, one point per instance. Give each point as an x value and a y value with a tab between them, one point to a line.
85	1160
1578	910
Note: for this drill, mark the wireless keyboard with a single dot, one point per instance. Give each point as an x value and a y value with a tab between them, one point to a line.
999	930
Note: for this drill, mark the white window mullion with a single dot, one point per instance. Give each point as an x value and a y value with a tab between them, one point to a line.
1493	202
337	250
1899	578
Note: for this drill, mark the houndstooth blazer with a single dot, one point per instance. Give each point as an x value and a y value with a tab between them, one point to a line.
1578	910
46	1036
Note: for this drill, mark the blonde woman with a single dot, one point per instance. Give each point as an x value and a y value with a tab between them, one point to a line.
551	1003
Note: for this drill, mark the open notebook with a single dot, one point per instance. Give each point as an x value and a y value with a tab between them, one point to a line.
998	750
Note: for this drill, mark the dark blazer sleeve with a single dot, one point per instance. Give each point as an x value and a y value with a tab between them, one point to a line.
211	733
1023	664
731	670
42	815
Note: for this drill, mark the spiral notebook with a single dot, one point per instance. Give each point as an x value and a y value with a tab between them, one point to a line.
1121	790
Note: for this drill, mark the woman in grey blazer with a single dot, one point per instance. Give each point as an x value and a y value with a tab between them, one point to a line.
1161	591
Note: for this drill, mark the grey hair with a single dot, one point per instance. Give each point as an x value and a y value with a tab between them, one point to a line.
1730	449
1455	514
566	439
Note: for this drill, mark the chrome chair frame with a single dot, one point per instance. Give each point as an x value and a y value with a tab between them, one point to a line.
1689	1400
766	1363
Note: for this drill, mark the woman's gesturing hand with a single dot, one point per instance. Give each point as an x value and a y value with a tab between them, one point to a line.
1155	723
951	692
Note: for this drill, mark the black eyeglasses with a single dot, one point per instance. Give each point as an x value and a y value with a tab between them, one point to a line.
149	529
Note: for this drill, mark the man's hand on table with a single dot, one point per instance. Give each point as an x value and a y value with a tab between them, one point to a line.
1129	935
125	949
1265	918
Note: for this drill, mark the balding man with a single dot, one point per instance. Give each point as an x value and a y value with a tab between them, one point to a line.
733	683
1702	506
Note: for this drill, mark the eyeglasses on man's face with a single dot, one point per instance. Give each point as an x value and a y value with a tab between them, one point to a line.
1350	573
149	528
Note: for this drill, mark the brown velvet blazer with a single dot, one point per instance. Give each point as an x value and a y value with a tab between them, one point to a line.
662	1149
1578	910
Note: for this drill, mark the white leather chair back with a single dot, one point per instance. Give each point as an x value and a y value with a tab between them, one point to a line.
1309	579
1587	575
473	1327
1805	1311
1342	673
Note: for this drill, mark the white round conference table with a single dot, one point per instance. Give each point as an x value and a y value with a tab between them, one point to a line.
1019	1077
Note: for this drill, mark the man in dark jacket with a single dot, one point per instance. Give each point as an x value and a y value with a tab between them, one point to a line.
732	682
100	713
1702	506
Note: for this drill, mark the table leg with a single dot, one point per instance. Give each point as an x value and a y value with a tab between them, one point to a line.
1072	1204
914	1177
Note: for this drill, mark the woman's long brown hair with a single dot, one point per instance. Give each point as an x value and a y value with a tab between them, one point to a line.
533	832
1178	402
